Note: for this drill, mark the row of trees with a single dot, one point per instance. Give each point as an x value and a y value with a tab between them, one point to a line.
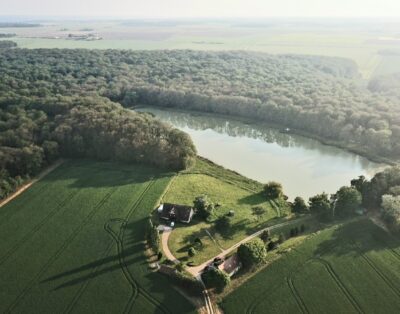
382	192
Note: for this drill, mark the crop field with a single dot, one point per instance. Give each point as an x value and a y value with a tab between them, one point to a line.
231	192
73	242
349	268
360	43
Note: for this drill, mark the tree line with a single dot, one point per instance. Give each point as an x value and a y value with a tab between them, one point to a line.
318	95
36	131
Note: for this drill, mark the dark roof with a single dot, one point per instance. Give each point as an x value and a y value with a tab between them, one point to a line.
181	212
230	264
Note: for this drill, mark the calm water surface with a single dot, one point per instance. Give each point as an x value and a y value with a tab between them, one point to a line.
304	166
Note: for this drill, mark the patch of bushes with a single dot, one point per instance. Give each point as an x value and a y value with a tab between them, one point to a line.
252	253
216	278
153	236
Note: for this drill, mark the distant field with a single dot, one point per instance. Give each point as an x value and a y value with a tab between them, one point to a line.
231	192
388	65
348	268
360	43
73	243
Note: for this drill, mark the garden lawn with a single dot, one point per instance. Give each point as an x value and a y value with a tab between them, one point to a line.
232	192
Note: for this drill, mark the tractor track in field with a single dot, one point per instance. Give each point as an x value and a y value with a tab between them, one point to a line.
8	216
107	252
395	254
136	288
339	283
58	253
381	274
300	302
37	228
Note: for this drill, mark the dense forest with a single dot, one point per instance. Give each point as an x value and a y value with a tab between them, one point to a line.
7	44
68	99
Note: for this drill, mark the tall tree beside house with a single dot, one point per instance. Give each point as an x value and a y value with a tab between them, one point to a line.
252	253
216	278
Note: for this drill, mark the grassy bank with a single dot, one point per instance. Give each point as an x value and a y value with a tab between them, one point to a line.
232	192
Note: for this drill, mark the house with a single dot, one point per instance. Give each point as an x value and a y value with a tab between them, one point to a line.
174	212
231	265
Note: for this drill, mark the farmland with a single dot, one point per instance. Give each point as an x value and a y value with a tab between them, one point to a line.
73	242
359	42
349	268
231	192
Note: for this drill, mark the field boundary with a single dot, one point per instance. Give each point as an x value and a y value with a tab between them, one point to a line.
26	186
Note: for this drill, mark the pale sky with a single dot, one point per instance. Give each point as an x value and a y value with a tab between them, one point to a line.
202	8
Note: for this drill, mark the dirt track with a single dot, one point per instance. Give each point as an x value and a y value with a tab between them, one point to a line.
27	186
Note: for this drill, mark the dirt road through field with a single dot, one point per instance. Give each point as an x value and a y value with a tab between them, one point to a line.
28	185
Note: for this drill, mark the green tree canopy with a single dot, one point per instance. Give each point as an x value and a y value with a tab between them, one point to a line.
347	201
252	253
320	206
273	190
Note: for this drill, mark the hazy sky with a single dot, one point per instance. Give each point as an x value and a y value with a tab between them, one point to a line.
202	8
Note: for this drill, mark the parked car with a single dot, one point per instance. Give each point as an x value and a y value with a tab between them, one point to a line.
218	261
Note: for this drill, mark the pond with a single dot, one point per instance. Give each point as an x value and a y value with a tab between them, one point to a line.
304	166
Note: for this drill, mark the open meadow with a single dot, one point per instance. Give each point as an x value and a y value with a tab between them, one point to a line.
349	268
230	192
74	242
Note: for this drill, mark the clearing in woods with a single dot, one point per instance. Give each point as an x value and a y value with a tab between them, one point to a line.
73	242
348	268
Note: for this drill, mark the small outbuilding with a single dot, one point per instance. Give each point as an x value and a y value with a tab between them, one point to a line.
231	265
174	212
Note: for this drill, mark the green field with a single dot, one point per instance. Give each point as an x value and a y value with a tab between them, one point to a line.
73	242
360	41
348	268
232	192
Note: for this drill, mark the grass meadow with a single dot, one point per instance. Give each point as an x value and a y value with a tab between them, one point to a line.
232	192
73	242
349	268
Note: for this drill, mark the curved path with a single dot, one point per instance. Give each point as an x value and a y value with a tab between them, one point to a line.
196	270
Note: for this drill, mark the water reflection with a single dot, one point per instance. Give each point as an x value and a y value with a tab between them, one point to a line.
304	166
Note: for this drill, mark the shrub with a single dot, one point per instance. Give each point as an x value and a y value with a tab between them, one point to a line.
271	246
302	228
180	267
299	206
273	190
189	284
153	237
192	251
264	236
223	224
203	207
252	253
198	242
281	238
216	278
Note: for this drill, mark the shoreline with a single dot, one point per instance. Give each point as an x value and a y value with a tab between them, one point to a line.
305	134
